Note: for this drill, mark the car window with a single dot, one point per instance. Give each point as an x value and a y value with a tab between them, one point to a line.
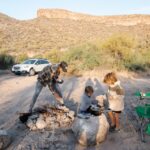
31	61
44	62
38	62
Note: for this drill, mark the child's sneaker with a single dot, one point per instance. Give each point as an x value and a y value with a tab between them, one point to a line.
117	129
112	128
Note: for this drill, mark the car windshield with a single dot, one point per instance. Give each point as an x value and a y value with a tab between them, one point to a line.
31	61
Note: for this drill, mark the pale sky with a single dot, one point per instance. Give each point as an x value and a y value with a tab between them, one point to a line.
26	9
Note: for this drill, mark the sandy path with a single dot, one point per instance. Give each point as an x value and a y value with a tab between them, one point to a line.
16	93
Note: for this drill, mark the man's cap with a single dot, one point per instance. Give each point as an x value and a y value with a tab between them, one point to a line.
64	66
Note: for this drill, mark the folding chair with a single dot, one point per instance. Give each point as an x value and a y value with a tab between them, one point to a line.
143	112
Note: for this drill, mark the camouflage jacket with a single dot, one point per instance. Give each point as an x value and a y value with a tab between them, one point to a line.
49	74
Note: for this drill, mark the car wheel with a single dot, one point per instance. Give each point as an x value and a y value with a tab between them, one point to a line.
17	73
31	72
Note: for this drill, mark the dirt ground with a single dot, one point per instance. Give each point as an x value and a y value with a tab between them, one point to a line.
15	96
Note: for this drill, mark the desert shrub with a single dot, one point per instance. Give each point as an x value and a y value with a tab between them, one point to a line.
39	56
84	57
21	57
136	67
140	61
6	61
53	55
121	47
117	52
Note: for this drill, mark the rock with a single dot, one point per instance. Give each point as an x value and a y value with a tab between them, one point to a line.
56	125
50	117
71	114
40	123
91	131
30	124
66	109
48	120
34	116
5	139
63	108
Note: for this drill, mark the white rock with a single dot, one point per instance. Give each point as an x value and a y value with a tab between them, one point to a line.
40	123
66	120
64	108
48	120
53	118
71	114
59	117
30	123
41	116
91	131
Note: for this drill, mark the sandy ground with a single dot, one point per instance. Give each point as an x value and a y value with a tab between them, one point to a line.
16	93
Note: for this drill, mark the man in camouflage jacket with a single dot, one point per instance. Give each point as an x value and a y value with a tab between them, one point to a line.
49	76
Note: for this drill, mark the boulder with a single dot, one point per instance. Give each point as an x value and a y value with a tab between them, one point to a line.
5	139
91	131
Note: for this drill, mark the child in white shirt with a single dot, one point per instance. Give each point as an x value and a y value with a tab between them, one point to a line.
115	97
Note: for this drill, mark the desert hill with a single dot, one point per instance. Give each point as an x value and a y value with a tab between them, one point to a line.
61	29
126	20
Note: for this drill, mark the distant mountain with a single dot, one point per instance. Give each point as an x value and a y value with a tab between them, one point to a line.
126	20
59	29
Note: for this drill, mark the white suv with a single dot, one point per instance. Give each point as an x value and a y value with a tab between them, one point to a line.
30	66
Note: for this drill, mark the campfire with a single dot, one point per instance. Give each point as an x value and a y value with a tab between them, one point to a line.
48	117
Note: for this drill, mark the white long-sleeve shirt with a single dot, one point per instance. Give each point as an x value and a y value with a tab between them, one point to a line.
114	96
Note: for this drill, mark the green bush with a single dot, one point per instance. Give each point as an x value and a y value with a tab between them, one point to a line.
6	61
53	55
21	57
140	61
120	46
84	57
116	52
